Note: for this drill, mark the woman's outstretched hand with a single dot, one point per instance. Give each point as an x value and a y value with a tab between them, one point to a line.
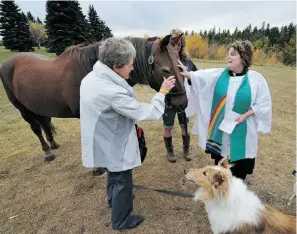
184	71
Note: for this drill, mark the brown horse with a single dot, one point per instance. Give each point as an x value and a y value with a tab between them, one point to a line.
41	88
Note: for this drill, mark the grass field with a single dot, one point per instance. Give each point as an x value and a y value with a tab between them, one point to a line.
64	197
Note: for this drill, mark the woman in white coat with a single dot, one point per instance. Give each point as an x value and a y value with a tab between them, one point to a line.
232	105
108	112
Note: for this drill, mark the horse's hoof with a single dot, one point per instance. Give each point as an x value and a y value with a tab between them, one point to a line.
98	171
55	146
49	158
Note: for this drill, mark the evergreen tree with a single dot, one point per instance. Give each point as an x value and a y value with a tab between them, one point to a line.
263	29
274	36
80	24
25	41
14	27
204	35
30	16
256	34
235	34
291	30
38	20
96	27
8	12
290	52
65	25
98	30
267	30
106	31
284	36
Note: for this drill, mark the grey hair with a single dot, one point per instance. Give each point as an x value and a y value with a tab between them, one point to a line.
116	51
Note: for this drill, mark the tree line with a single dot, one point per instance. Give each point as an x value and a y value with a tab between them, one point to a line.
65	25
271	44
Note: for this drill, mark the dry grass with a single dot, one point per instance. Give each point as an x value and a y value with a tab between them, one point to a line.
64	197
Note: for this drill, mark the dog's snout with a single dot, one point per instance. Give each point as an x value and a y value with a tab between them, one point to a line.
186	171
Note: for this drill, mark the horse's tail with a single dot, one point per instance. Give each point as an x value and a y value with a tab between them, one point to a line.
1	74
6	73
5	70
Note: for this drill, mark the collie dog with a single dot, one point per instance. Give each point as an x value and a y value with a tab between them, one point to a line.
232	208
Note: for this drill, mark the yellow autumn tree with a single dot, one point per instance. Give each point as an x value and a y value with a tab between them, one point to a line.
196	47
211	52
199	48
259	56
221	53
272	59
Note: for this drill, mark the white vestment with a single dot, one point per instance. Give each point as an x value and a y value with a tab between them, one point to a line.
200	95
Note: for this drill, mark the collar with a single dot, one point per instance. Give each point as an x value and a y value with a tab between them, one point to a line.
104	72
231	73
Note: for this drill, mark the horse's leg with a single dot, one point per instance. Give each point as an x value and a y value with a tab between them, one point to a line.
49	130
36	128
29	117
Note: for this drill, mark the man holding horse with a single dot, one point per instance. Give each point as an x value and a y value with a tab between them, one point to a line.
178	40
108	112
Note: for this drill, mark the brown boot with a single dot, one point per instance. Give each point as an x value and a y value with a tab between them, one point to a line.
186	146
169	148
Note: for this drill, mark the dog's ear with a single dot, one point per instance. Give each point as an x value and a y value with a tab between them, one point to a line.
217	179
225	163
220	184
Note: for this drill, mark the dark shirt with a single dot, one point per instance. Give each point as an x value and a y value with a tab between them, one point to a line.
190	66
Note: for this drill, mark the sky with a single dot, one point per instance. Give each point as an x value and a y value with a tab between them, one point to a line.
157	18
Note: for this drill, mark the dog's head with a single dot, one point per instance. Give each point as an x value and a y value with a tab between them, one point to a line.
214	179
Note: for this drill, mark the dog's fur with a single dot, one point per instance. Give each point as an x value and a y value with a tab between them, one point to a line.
232	208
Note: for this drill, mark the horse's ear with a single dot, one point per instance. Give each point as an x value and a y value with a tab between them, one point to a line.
164	42
174	39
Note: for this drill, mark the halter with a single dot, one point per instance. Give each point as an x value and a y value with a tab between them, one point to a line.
150	61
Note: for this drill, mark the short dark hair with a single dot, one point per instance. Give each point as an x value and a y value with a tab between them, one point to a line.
245	50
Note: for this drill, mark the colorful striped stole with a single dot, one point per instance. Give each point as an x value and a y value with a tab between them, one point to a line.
242	104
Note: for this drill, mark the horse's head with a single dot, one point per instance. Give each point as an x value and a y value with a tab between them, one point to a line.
163	62
156	59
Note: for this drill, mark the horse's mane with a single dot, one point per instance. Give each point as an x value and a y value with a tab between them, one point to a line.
141	72
87	56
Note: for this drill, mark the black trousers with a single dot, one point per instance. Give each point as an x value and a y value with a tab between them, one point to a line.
240	168
120	197
169	116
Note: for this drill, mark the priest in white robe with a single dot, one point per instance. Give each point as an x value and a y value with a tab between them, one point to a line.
232	105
